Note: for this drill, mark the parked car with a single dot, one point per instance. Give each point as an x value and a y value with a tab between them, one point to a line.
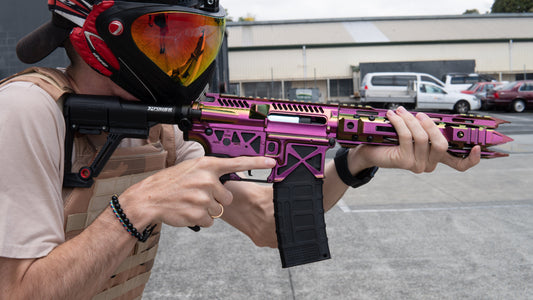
461	81
480	90
384	82
431	96
481	87
421	95
516	96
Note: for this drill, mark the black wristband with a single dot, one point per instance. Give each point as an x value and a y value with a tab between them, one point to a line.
121	216
357	180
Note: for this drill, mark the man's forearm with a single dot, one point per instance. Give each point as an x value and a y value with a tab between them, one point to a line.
75	269
333	187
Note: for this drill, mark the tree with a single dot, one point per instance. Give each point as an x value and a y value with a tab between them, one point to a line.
249	18
471	12
512	6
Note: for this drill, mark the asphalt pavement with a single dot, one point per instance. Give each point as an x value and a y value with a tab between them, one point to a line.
443	235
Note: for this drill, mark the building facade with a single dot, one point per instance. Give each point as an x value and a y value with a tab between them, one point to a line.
273	58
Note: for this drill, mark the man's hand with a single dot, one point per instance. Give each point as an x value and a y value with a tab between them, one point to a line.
187	194
421	147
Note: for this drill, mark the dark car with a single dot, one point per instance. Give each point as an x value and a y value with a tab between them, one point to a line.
516	96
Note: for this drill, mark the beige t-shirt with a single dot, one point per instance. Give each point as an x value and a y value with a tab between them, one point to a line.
32	131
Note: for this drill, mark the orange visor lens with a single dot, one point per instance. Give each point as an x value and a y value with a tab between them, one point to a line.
182	44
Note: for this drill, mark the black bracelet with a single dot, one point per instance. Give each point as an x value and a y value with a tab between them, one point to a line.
119	212
357	180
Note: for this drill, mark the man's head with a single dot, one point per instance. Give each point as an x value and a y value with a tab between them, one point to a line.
160	51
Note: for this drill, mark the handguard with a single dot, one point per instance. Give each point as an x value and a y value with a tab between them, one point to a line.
366	125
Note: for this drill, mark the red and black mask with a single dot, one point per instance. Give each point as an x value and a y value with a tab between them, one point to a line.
161	52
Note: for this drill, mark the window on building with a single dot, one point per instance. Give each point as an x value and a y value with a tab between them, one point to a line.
341	87
262	89
234	89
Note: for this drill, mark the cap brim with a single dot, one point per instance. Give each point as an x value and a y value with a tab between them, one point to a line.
41	42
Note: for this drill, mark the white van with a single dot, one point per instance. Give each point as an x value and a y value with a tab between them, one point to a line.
386	84
460	81
422	95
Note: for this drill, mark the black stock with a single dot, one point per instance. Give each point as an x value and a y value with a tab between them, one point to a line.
92	115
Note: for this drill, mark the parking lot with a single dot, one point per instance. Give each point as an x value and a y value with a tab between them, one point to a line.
444	235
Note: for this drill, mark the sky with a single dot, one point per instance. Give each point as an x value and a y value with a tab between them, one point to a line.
268	10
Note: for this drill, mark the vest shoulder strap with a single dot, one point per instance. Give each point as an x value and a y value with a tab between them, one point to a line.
53	81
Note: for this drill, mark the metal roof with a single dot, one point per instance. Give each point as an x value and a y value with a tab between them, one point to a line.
375	30
391	18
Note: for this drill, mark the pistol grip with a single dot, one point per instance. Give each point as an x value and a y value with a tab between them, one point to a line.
299	214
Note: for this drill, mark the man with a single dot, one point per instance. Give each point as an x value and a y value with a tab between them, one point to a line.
46	252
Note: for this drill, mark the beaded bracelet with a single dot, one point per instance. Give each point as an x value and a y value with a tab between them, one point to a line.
121	216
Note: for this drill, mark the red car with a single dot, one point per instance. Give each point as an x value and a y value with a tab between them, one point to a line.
481	87
516	95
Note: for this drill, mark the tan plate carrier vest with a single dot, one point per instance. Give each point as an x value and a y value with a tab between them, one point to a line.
126	167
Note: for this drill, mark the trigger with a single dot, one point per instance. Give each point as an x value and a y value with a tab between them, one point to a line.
230	176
